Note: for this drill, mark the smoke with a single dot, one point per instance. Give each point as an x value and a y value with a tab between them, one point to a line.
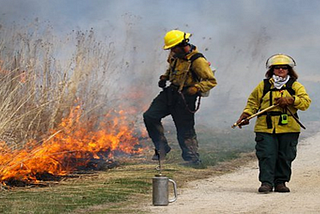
236	36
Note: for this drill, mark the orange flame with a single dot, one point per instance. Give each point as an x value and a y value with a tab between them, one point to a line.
68	148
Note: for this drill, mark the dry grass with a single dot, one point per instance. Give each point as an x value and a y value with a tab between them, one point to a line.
43	77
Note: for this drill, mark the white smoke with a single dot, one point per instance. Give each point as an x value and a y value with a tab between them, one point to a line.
236	36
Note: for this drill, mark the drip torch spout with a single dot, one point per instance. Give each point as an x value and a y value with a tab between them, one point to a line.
159	168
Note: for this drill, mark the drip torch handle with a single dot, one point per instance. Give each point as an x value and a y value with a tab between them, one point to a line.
254	115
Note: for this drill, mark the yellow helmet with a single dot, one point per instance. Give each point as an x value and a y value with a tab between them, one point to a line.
280	59
174	37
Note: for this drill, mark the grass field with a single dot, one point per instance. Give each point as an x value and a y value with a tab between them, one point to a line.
122	189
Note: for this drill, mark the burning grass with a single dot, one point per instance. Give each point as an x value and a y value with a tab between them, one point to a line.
59	110
73	147
124	188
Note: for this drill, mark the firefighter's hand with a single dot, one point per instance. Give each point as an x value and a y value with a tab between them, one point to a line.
162	82
243	117
283	102
192	90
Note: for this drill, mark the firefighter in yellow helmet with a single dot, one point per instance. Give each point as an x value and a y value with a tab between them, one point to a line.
277	131
190	76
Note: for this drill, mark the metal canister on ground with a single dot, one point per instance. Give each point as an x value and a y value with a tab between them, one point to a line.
160	190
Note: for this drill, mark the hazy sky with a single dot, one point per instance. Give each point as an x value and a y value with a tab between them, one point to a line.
237	36
287	26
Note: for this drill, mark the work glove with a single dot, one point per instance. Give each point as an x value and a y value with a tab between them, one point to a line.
162	82
283	102
243	116
192	90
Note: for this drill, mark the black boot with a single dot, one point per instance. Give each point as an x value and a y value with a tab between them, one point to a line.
281	188
265	188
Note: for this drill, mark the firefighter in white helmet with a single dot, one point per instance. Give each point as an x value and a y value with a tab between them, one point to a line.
277	131
190	75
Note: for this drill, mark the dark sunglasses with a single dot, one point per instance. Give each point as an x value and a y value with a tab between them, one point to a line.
281	67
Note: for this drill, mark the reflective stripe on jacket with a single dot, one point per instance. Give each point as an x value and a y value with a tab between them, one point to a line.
257	102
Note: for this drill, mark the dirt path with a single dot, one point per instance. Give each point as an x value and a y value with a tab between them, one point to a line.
237	192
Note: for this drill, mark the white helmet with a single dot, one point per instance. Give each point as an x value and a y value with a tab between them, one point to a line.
280	59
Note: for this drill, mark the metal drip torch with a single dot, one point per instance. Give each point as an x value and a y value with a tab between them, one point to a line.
160	187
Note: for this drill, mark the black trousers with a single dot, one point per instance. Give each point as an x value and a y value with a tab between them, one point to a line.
276	153
170	102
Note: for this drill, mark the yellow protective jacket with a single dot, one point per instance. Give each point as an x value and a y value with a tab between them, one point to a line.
178	72
256	102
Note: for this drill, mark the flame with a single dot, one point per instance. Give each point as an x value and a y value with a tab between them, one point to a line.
71	146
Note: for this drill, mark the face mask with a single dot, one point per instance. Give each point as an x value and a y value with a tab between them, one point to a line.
280	81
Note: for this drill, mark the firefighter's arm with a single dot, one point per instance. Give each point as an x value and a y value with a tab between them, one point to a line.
302	100
202	70
170	61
